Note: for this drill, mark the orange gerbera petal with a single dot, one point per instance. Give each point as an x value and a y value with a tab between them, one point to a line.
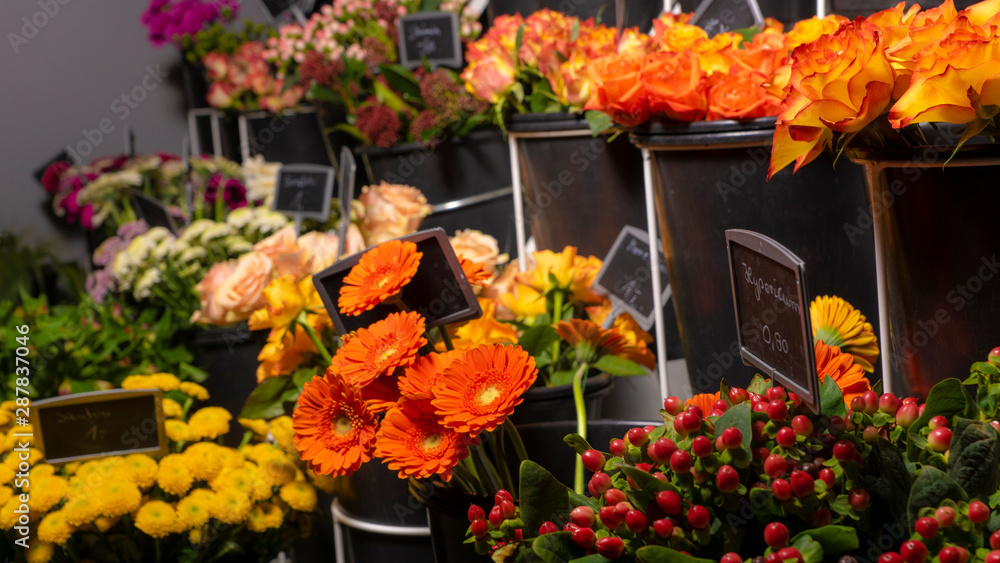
381	348
704	401
421	377
334	432
413	441
590	340
383	393
474	272
481	387
381	273
849	376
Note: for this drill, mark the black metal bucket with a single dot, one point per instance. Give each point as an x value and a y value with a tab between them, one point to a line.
229	355
940	253
548	404
709	177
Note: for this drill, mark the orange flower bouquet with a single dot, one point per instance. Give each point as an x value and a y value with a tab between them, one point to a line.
879	78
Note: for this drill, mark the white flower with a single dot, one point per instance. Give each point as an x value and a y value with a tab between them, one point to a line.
107	183
164	249
236	245
157	234
139	249
238	218
195	229
122	268
269	222
260	178
192	254
144	286
217	231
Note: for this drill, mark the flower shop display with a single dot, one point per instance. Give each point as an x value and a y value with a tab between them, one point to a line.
200	502
757	477
918	114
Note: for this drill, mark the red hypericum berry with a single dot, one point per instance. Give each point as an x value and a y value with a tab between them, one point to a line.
836	425
890	557
731	557
673	405
737	395
888	403
773	558
669	502
720	405
757	431
508	510
794	399
695	409
927	527
649	428
622	508
755	398
760	406
476	513
698	516
939	439
775	466
701	446
719	445
614	496
584	537
995	424
802	425
637	437
785	437
661	476
953	554
727	480
661	450
547	528
913	551
761	454
636	521
732	438
496	516
994	356
921	410
692	422
860	499
992	557
870	434
618	447
995	540
503	495
776	535
610	547
583	516
945	516
680	461
871	402
569	527
907	414
790	554
844	451
480	529
802	483
679	424
858	404
777	410
827	476
776	394
663	527
821	517
937	422
782	489
978	512
599	483
609	517
593	460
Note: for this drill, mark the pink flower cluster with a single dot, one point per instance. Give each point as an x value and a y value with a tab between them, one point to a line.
169	21
238	80
65	182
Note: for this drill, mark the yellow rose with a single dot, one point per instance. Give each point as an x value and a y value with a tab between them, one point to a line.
486	329
283	303
283	352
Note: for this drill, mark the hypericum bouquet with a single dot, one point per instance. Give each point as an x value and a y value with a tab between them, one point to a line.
175	21
873	79
245	81
199	502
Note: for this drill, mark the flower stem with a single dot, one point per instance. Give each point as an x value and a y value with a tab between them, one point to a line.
323	352
445	338
515	438
556	317
581	423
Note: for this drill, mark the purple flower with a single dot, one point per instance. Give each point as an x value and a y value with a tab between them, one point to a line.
99	283
212	188
106	252
132	229
87	216
169	22
235	194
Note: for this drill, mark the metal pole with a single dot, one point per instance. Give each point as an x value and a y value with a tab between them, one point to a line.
654	268
882	285
515	179
821	8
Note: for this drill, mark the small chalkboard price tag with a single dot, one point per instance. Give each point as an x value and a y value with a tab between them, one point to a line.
432	36
625	277
721	16
100	424
439	291
348	172
152	211
772	312
304	191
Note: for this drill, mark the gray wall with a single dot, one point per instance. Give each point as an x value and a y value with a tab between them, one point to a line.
63	81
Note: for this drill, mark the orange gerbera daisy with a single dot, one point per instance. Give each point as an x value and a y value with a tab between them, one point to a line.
474	272
383	393
413	441
420	378
381	348
334	431
849	376
704	401
482	386
590	340
381	273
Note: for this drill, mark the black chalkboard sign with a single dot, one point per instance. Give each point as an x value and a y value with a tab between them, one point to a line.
720	16
152	211
304	190
100	424
625	276
772	312
432	36
277	7
439	291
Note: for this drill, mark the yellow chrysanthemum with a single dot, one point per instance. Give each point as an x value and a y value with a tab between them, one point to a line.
8	518
141	470
80	510
13	461
263	517
156	519
111	468
195	536
55	528
105	523
162	381
5	494
231	506
195	391
194	510
173	475
210	422
171	408
8	405
244	479
6	474
6	418
275	468
118	498
178	431
42	470
299	495
71	467
256	425
231	458
836	322
324	483
204	460
47	492
284	434
39	552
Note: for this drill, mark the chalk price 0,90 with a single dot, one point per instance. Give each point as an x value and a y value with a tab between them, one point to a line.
775	341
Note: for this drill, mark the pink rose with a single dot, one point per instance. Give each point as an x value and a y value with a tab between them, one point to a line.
283	250
219	95
240	293
215	64
318	251
211	312
391	211
490	78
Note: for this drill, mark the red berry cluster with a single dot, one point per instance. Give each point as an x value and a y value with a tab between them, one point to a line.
501	527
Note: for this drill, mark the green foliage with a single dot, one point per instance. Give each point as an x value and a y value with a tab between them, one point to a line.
218	39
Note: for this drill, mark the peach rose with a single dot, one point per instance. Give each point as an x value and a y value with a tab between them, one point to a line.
391	211
618	89
283	250
674	85
738	95
240	293
479	248
355	240
212	313
317	251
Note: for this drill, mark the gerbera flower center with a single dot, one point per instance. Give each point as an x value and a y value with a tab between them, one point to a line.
342	425
431	442
386	349
488	395
381	276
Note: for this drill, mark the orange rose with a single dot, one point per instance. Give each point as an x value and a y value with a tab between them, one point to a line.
547	39
634	42
738	95
489	78
984	13
391	211
240	293
679	36
764	54
211	312
618	89
718	53
925	28
807	31
674	85
571	83
840	82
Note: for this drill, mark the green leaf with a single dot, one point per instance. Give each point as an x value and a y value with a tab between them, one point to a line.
758	385
303	376
598	121
834	539
930	488
577	442
543	497
562	377
897	476
265	401
737	417
660	554
747	33
556	547
324	94
974	461
538	338
947	399
646	481
986	368
401	80
812	551
831	398
595	558
616	365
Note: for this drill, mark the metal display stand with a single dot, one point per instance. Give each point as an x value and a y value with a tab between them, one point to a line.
341	518
214	116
